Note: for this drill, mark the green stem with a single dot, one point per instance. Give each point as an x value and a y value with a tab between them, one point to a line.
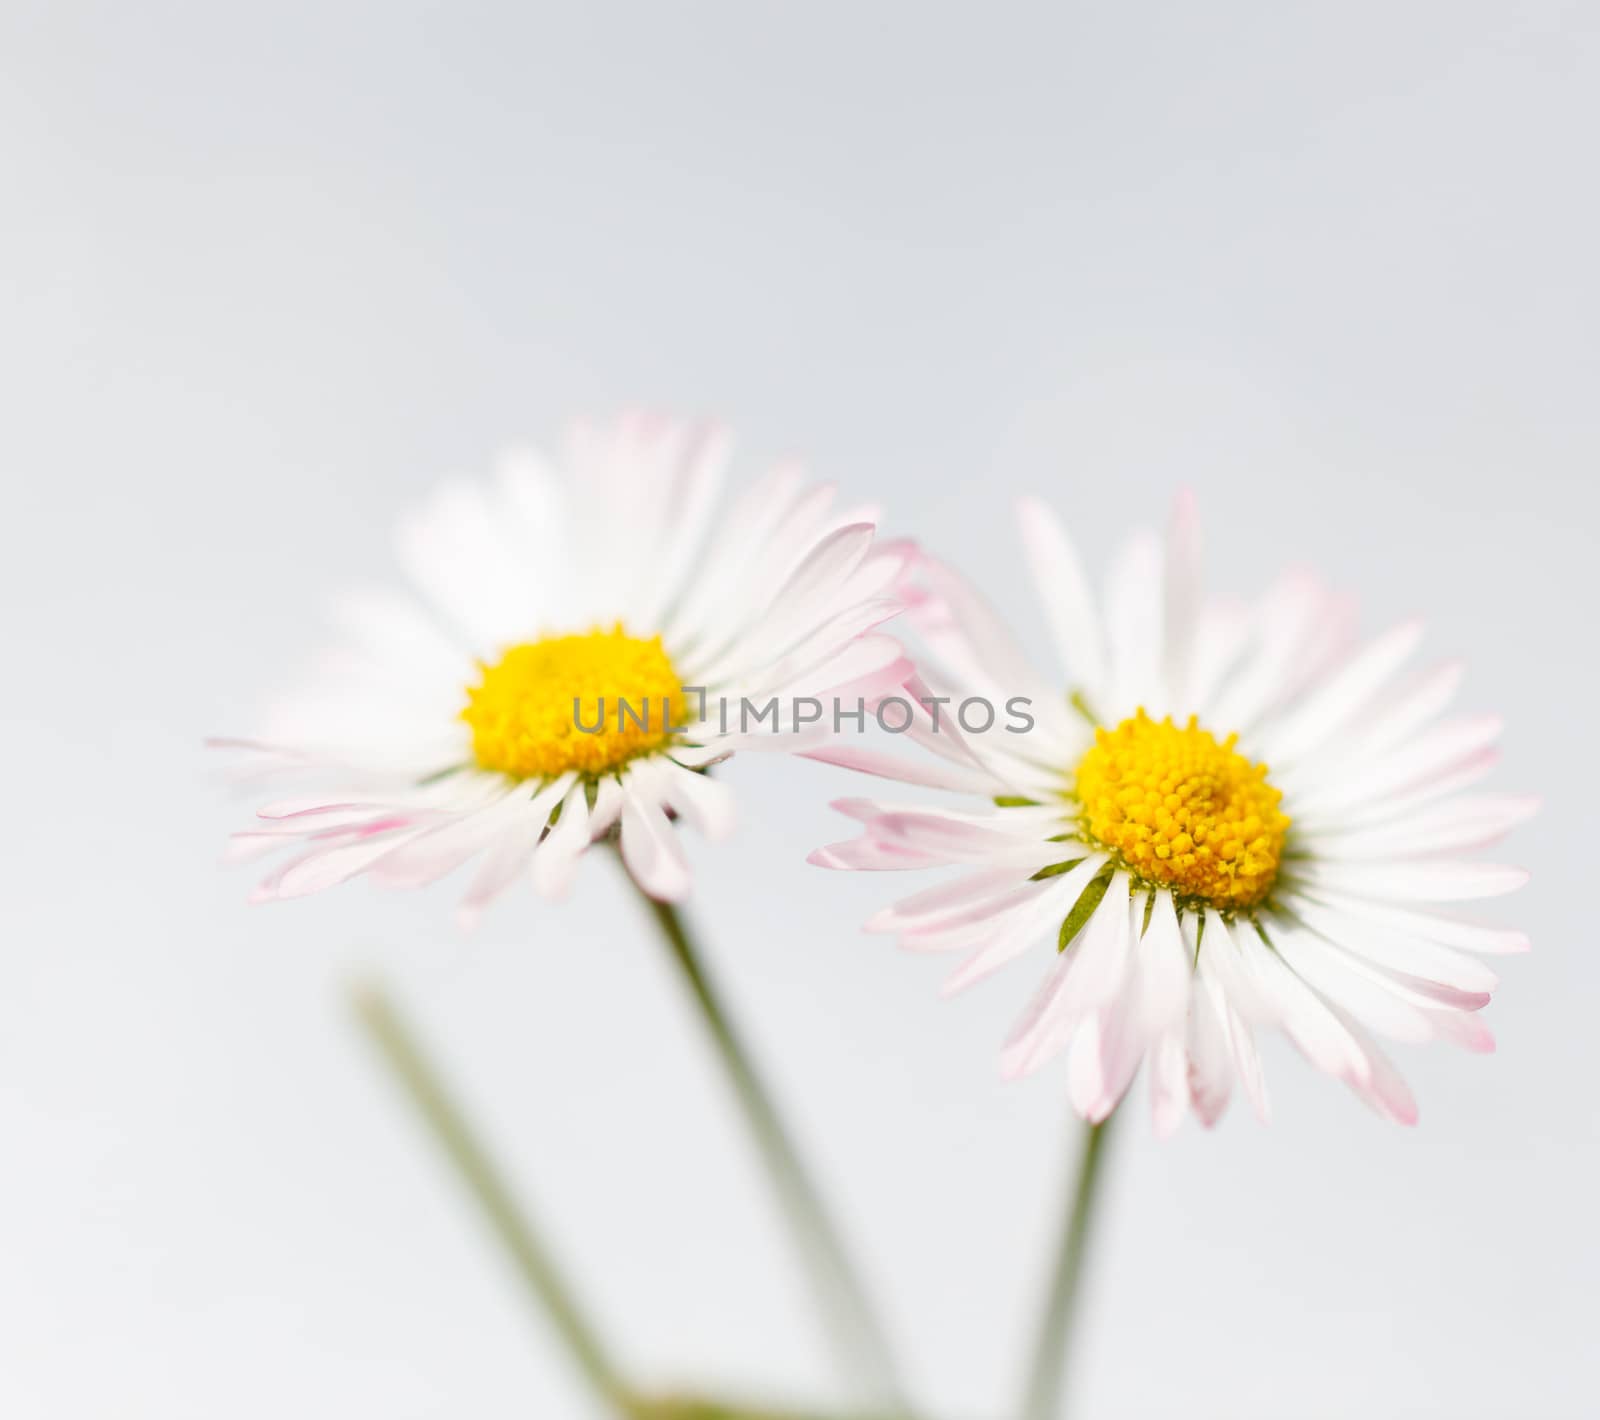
1043	1399
404	1055
696	1408
857	1337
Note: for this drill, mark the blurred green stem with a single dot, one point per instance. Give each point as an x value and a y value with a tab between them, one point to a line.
695	1408
1043	1399
852	1327
403	1054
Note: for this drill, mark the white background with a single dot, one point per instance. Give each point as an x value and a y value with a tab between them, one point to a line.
270	270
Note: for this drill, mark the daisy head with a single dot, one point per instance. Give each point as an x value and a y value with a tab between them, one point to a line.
574	649
1220	819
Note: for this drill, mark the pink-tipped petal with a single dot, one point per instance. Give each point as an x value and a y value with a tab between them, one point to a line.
651	850
1063	590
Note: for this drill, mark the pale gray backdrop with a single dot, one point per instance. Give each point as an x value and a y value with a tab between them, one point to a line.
271	269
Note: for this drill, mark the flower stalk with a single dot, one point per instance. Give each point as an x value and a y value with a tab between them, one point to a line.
1042	1400
850	1321
400	1049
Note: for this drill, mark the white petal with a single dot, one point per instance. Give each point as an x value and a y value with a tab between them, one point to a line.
1220	636
1426	759
1421	881
454	549
1462	1028
607	807
1087	974
1410	711
1167	967
308	814
981	922
502	865
1183	591
1123	1028
650	848
1433	926
1228	996
1019	930
1169	1093
1221	960
1238	1038
701	801
699	481
1394	949
805	603
1101	954
936	905
865	855
1283	621
1002	666
1457	825
947	839
1380	1084
1064	593
1210	1070
929	773
1323	1038
758	663
1085	1072
555	861
1361	993
441	850
393	630
328	867
1133	628
510	855
718	590
1332	705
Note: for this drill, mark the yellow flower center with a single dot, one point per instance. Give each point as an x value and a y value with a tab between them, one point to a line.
590	703
1183	810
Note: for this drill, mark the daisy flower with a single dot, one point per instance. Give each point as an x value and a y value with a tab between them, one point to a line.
1225	819
576	647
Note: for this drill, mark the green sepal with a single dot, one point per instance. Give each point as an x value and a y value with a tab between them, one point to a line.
1055	870
1080	702
1083	909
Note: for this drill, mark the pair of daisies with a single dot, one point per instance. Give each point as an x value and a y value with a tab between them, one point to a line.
1221	819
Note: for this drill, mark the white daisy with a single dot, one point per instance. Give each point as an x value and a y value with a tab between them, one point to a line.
477	716
1192	895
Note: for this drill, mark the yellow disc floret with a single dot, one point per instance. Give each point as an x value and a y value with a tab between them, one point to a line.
588	703
1183	810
